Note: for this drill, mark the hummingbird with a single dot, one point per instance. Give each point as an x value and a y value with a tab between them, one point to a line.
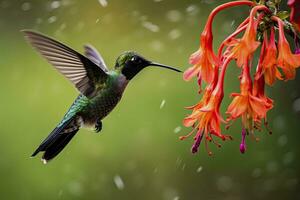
100	89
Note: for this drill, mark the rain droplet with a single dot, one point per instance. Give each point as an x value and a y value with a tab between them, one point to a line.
97	20
174	15
224	183
157	46
119	182
174	34
282	140
176	198
150	26
103	3
232	23
272	167
162	104
75	188
26	6
55	4
256	172
192	10
177	129
199	169
288	158
157	0
296	105
52	19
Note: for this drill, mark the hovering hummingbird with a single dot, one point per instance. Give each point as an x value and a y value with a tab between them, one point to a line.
100	88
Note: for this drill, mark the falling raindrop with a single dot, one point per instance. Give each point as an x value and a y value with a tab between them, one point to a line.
26	6
224	183
176	198
103	3
177	129
199	169
97	20
174	34
52	19
55	4
296	105
282	140
288	158
174	15
150	26
192	10
232	23
75	188
162	104
119	182
256	172
157	45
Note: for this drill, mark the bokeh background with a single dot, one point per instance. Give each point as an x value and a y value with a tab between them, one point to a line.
138	154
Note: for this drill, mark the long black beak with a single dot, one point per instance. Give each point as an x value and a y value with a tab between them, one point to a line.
164	66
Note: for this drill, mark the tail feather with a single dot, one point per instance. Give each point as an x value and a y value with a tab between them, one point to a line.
57	140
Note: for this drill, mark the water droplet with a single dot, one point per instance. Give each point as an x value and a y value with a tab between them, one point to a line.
272	167
176	198
26	6
232	23
157	0
224	183
162	104
177	129
97	20
296	105
55	4
256	172
150	26
192	10
75	188
279	123
174	15
174	34
103	3
119	182
157	46
52	19
199	169
282	140
288	158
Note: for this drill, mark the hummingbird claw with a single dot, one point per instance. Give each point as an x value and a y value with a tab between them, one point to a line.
98	126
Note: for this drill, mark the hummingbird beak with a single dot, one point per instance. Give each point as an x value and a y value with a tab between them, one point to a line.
163	66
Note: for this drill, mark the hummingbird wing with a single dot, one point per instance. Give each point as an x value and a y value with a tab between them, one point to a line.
80	70
92	54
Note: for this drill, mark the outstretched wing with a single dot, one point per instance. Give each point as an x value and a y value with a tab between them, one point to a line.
92	54
80	70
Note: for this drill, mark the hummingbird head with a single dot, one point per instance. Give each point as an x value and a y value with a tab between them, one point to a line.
130	64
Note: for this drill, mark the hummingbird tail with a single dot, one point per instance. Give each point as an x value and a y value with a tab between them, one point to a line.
57	140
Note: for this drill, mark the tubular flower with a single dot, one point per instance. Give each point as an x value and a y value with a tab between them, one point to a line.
286	59
246	105
269	63
276	62
203	60
295	14
206	118
243	48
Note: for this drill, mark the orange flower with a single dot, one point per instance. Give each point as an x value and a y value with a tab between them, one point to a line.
269	60
206	118
295	13
246	105
286	59
243	48
203	60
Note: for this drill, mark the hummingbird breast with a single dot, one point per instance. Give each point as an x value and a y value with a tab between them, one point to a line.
104	101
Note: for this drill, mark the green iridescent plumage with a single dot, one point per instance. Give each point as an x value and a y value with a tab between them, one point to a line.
100	89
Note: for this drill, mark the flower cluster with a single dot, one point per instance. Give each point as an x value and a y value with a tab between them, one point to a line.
264	30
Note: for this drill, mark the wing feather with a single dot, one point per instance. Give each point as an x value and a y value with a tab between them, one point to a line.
83	72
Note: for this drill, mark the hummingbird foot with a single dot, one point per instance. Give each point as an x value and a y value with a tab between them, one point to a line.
98	126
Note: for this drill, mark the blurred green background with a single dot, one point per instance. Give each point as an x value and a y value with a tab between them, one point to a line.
138	154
